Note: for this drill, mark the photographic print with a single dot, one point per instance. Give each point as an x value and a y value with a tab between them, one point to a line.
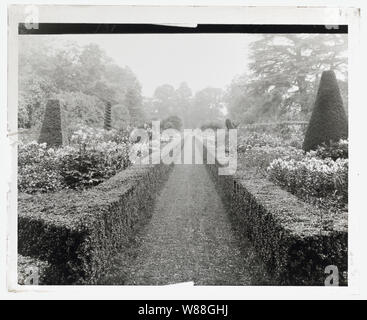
158	154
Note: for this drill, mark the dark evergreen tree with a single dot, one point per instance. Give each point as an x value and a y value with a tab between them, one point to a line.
328	120
51	131
107	117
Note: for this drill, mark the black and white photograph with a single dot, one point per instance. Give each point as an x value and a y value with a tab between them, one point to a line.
182	153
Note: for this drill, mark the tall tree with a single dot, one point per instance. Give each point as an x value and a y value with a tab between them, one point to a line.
184	100
133	102
164	101
83	78
207	106
285	70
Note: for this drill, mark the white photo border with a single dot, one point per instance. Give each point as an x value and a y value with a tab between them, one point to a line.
182	16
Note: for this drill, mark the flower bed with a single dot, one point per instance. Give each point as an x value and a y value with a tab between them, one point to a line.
323	180
93	156
318	177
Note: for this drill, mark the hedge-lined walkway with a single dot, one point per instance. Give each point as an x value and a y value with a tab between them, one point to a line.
190	238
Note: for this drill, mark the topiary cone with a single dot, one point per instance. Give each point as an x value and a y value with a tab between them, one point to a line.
107	117
328	120
51	131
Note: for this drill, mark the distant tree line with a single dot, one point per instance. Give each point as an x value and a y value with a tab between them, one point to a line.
194	110
280	85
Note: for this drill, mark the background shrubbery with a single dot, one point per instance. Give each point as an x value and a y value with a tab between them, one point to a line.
93	156
319	177
324	181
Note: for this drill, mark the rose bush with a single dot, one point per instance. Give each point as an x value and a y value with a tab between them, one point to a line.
261	157
319	177
93	156
314	178
334	150
38	168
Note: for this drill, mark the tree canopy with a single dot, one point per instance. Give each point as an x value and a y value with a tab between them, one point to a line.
284	72
83	78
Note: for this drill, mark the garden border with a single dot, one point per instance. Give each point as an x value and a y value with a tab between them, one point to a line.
289	235
79	233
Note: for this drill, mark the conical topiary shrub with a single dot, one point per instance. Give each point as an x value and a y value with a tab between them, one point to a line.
107	117
328	120
51	131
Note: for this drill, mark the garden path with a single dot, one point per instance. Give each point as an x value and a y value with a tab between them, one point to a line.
190	238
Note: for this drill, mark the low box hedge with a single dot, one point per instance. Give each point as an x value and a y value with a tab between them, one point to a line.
80	232
295	240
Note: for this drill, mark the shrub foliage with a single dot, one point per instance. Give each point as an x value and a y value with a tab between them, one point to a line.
328	120
51	132
93	156
320	179
107	117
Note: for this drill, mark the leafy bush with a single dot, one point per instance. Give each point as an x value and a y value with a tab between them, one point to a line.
91	165
171	122
334	150
93	156
313	177
260	157
38	168
256	139
212	125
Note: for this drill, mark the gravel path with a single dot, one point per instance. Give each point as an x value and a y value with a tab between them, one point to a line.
190	238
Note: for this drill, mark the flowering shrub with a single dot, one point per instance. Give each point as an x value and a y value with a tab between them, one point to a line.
313	177
319	177
258	140
91	136
334	150
261	157
38	168
93	156
89	165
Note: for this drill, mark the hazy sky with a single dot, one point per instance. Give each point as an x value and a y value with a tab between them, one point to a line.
199	59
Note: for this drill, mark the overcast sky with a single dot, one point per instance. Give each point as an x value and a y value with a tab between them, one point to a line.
201	60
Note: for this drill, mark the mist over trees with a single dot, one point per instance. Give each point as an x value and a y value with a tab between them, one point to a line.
280	83
83	78
283	76
204	106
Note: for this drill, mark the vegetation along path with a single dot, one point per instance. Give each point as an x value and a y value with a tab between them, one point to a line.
190	238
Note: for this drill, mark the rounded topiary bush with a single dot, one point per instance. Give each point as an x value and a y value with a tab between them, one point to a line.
51	132
328	121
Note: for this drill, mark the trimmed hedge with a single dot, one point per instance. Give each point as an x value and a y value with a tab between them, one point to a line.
107	116
328	120
293	238
51	131
79	233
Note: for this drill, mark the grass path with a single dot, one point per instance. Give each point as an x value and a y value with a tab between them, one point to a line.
190	238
